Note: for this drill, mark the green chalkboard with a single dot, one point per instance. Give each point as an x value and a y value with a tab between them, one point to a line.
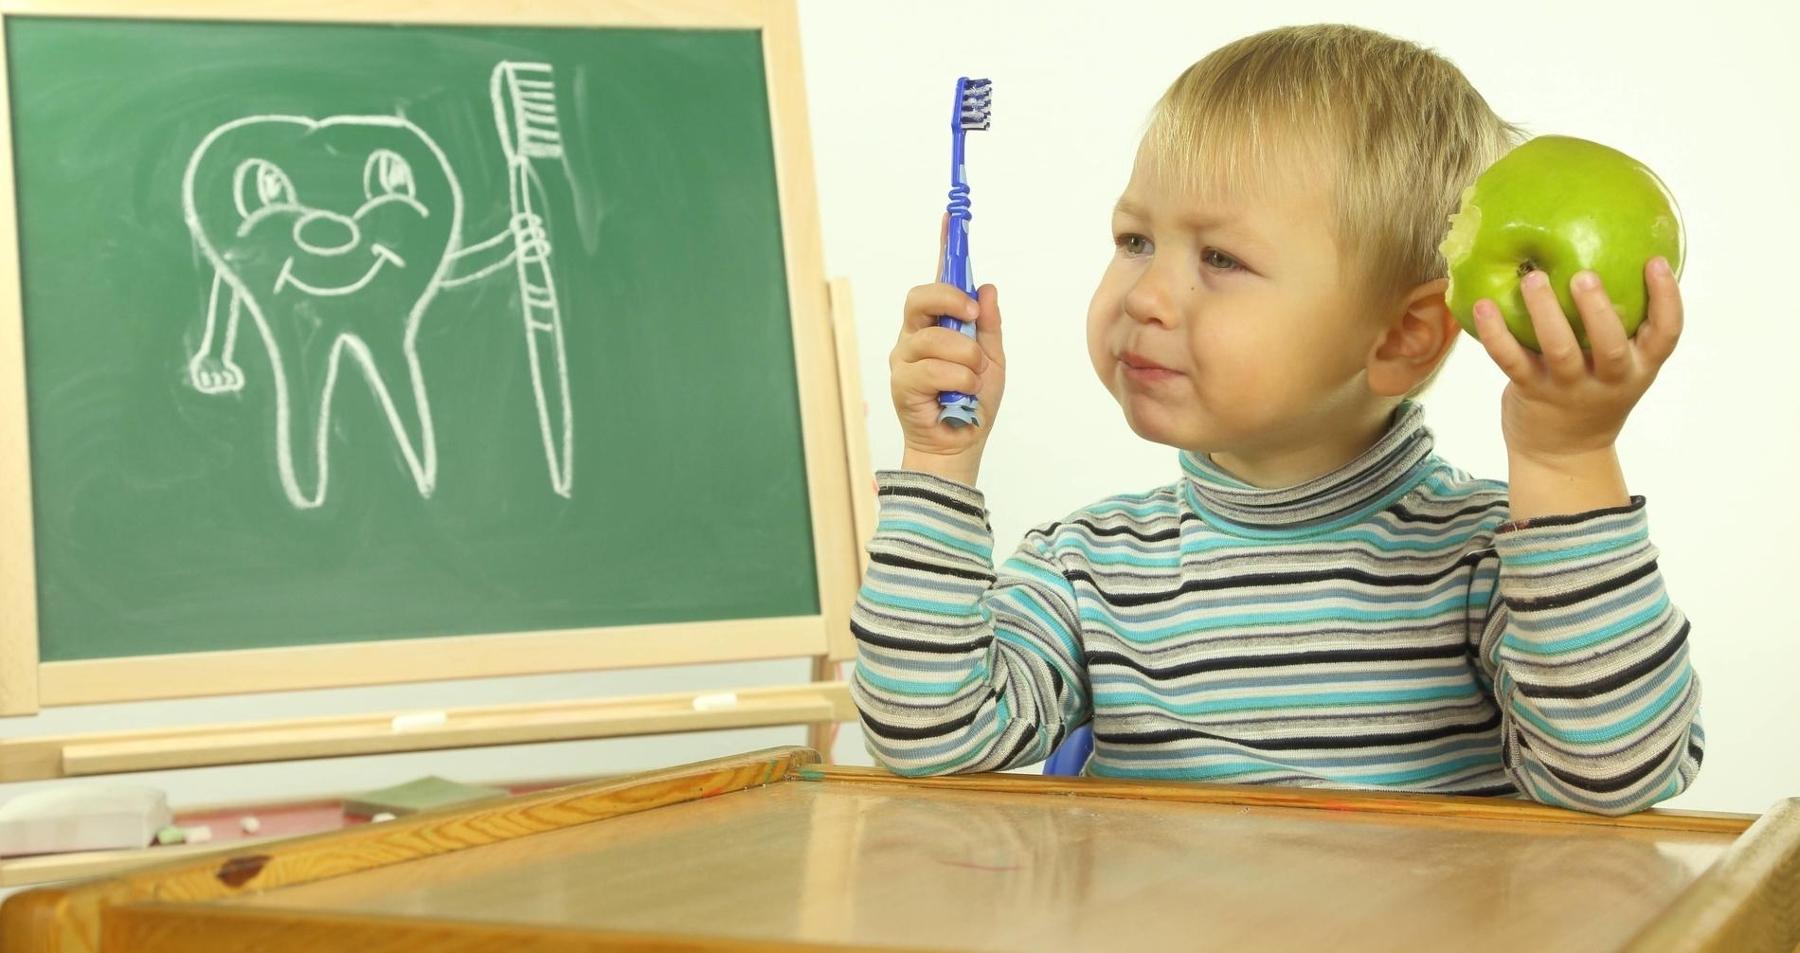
339	333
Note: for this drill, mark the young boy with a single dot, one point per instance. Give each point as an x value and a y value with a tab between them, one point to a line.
1319	600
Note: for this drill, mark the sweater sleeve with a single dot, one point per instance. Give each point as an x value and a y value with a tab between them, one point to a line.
959	667
1587	661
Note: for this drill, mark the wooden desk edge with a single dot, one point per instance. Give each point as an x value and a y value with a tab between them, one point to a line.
1748	901
1328	799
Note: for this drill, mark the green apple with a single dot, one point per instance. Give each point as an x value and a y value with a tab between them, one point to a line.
1560	205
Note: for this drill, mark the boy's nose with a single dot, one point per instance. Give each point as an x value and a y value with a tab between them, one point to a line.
1147	302
325	233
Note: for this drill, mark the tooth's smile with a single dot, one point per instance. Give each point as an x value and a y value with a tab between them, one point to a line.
382	257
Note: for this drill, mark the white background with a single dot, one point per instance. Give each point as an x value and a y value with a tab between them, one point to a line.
1706	101
1709	102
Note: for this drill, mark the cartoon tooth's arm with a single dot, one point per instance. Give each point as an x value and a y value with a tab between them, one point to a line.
491	255
211	369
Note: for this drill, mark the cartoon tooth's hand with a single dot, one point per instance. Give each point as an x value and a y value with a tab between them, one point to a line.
212	375
528	233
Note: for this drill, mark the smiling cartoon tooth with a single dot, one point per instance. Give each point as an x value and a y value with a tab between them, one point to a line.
333	236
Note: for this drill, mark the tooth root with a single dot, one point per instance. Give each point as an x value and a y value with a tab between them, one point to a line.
305	370
392	370
309	367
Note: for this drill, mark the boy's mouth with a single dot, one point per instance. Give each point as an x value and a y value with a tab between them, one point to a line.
1141	369
1138	362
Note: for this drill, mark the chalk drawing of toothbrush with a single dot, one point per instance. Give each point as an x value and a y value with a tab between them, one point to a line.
524	97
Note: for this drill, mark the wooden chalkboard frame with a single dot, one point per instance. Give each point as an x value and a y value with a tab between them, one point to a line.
829	415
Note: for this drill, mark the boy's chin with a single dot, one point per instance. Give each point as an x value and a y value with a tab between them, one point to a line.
1158	424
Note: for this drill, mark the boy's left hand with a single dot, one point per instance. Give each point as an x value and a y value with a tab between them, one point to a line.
1565	402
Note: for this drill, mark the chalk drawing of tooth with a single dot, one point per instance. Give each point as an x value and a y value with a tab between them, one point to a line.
333	236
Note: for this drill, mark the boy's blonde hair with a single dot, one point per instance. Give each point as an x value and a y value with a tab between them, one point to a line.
1396	130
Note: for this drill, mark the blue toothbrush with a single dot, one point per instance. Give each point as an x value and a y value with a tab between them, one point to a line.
970	111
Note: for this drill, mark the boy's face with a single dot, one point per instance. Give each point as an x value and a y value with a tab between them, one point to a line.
1222	324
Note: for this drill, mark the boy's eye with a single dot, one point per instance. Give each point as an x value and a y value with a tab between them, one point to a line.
1133	245
1212	257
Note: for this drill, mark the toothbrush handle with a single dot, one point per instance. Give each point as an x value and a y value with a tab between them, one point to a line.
956	271
544	337
956	408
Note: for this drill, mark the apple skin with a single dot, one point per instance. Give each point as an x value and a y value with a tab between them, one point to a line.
1561	205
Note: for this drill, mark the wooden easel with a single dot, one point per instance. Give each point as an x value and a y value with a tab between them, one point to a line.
837	472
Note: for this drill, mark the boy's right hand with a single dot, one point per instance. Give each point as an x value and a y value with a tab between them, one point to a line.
928	359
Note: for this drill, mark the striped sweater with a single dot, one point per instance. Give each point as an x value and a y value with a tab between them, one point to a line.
1381	626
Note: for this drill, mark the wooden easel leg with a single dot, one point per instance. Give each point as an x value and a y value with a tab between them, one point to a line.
820	736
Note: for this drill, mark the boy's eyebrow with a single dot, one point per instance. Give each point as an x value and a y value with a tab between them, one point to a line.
1126	206
1228	224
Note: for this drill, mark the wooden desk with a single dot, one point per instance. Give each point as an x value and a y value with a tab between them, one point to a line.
768	850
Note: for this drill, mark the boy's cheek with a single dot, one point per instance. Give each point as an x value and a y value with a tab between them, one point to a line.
1100	355
1099	336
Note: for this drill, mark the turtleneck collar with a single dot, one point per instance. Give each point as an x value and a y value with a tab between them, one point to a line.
1367	484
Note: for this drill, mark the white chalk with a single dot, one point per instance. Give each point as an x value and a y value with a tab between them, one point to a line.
716	700
250	824
199	834
383	816
417	720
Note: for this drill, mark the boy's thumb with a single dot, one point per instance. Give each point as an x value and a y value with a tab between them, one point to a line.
987	325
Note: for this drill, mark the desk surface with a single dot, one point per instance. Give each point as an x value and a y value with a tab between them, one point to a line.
767	850
876	865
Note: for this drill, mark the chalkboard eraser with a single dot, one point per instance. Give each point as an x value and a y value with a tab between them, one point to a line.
418	720
715	700
82	817
420	795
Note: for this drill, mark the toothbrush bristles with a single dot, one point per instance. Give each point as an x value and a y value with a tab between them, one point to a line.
536	128
977	108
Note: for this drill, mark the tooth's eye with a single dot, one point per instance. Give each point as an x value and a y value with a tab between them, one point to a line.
387	174
260	184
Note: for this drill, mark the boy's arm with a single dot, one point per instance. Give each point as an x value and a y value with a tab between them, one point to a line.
959	668
1587	656
1587	660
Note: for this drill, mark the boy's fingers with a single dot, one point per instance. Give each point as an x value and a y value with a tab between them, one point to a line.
941	344
1657	336
931	376
926	302
1507	352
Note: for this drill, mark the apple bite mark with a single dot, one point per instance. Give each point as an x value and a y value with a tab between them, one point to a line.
1465	224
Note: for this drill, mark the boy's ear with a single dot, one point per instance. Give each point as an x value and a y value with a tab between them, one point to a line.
1413	341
